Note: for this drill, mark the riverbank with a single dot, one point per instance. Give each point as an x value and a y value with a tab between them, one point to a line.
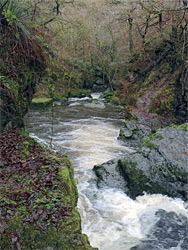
38	197
88	133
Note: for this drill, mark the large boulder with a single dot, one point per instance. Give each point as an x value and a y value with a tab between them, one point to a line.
158	166
169	232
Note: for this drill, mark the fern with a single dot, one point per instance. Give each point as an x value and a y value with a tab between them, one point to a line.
19	13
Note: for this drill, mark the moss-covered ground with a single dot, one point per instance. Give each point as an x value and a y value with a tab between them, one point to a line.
38	197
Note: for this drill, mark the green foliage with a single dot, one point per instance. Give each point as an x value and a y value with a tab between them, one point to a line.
5	81
116	100
107	95
95	102
22	63
9	16
148	143
183	126
15	13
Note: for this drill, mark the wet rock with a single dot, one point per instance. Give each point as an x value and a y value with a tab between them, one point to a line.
170	231
131	126
108	175
125	132
100	84
155	124
134	131
158	166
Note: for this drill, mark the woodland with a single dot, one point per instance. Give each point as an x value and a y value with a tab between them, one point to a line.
133	46
135	52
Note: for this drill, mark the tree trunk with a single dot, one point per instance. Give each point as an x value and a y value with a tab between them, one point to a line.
130	20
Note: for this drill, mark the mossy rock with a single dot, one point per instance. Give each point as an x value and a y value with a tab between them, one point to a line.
138	181
41	101
95	102
66	175
79	93
183	126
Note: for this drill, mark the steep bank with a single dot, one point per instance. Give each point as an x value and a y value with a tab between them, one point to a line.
155	83
38	197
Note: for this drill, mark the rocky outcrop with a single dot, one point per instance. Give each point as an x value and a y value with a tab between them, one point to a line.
169	232
134	132
15	97
158	166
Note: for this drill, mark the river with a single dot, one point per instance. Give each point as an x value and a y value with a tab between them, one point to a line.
87	132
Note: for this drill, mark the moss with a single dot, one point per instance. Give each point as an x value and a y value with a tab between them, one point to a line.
148	144
99	173
181	175
19	88
151	77
123	137
137	180
42	101
61	99
183	126
95	102
79	93
113	98
165	69
63	159
116	100
108	95
67	237
66	176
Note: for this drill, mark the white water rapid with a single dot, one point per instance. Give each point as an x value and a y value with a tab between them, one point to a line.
88	132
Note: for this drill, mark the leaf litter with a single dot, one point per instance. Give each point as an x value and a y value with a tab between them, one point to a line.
29	186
